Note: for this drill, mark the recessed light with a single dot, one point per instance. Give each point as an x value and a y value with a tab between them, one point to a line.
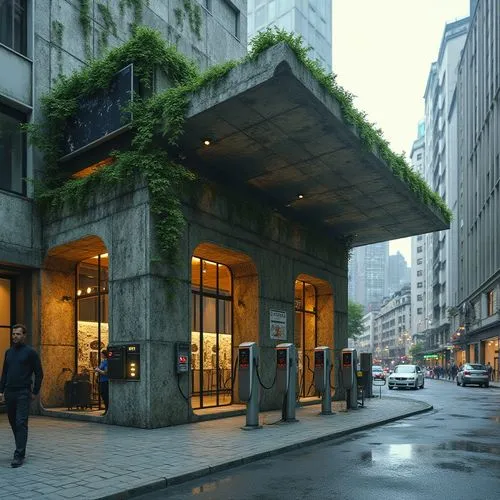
300	196
207	142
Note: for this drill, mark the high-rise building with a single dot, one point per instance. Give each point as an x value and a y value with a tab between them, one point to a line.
435	287
419	315
398	273
312	19
477	331
368	275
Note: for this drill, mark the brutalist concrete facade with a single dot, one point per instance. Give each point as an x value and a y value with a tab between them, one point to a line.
275	131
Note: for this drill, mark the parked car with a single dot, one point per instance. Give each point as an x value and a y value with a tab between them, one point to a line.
406	376
378	373
470	373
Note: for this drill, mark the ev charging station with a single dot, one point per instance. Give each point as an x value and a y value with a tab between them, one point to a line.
286	378
248	388
322	366
348	363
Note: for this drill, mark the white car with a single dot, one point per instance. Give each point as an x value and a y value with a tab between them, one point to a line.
406	376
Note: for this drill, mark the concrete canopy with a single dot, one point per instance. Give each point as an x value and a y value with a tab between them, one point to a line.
274	129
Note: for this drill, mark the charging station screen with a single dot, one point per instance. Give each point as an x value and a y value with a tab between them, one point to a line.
346	359
319	359
244	358
281	358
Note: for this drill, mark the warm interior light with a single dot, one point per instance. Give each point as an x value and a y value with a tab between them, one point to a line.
79	292
92	168
103	256
206	142
89	290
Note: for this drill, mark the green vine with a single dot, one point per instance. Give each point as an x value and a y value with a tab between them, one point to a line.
137	6
371	137
193	12
86	25
58	30
163	114
109	24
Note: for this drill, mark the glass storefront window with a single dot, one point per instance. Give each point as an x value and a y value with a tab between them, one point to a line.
92	315
12	151
305	337
211	334
13	24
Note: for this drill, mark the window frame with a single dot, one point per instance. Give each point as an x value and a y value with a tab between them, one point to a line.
21	118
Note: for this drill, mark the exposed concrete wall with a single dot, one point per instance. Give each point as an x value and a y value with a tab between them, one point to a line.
57	342
19	231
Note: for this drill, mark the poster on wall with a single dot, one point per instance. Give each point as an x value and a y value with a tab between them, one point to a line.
277	321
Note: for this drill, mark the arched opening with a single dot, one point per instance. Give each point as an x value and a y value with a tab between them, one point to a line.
74	324
224	313
313	326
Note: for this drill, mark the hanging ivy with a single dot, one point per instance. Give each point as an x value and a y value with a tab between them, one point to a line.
57	31
86	24
109	25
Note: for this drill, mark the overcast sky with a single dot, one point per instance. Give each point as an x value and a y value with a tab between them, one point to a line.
382	53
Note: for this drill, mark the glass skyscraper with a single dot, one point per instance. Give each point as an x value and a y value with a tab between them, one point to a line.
310	18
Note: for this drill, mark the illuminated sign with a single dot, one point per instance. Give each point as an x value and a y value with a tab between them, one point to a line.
244	358
281	358
346	359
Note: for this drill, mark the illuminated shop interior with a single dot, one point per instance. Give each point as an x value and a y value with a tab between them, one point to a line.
211	334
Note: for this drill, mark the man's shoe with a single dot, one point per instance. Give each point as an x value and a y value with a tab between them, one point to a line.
17	462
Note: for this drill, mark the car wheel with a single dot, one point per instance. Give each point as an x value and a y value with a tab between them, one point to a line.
416	386
422	386
463	383
390	388
487	385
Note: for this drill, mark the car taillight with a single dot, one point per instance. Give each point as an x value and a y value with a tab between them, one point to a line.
466	372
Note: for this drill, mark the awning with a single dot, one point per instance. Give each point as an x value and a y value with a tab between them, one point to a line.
272	128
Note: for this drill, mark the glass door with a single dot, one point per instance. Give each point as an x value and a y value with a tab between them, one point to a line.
305	336
211	334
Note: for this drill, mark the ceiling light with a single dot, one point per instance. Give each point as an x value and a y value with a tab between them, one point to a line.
207	142
300	196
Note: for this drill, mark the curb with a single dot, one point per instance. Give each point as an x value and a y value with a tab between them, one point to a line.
163	483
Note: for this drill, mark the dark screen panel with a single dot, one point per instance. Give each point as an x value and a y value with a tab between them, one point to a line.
100	115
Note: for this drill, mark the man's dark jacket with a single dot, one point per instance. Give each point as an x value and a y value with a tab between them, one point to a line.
21	361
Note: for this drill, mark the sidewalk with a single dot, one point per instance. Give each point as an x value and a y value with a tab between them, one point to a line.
494	385
72	459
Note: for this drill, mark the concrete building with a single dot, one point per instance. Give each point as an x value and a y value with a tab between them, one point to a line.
260	239
477	318
312	19
398	273
419	308
437	285
365	342
368	268
392	324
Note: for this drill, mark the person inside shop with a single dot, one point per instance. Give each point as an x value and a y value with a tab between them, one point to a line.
18	389
102	370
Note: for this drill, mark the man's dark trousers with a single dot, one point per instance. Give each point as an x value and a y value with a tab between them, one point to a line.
18	407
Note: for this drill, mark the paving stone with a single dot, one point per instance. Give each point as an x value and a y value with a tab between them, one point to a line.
97	461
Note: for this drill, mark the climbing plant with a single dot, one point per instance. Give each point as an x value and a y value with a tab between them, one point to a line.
109	24
57	31
86	25
192	11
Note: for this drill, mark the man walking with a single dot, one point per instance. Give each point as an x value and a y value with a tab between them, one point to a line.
21	362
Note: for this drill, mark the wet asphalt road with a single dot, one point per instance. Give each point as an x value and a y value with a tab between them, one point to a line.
450	453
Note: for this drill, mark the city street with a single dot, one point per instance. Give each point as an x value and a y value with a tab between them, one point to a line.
452	452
